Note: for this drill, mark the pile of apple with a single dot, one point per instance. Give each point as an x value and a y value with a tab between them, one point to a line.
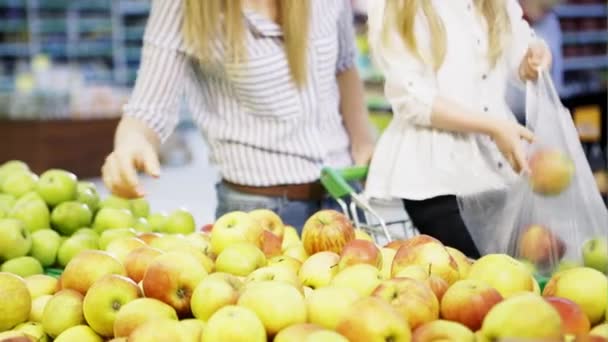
248	277
46	220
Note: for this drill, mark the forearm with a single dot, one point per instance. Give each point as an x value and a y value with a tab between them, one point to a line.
129	126
451	116
353	107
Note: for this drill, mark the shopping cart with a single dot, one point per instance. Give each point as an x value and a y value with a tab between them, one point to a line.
383	220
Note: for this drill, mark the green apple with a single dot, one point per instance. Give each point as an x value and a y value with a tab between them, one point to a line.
142	225
67	217
45	245
110	235
86	193
566	265
180	221
12	166
34	330
112	218
115	202
595	254
62	312
7	201
72	246
34	213
80	333
19	183
30	196
22	266
15	239
157	221
140	207
56	186
87	231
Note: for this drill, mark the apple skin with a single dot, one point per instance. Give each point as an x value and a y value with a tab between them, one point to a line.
297	332
171	278
464	264
62	312
442	330
22	266
574	320
81	333
286	261
157	331
148	237
358	252
275	273
503	273
104	299
15	301
120	248
235	227
33	213
595	254
431	255
327	230
137	261
413	299
33	330
362	278
290	237
40	285
80	276
319	269
240	259
179	221
106	237
600	330
296	251
56	186
271	244
269	221
140	207
15	239
505	319
361	234
277	304
551	172
37	310
468	302
585	286
220	326
68	217
541	246
213	293
45	245
411	242
388	254
327	306
112	218
193	328
372	319
86	193
19	183
139	311
73	246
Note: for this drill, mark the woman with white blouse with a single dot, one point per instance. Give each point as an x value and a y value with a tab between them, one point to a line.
272	85
447	65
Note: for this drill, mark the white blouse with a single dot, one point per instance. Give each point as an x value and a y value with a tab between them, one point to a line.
413	160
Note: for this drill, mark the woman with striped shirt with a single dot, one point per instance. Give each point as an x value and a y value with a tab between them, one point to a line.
271	84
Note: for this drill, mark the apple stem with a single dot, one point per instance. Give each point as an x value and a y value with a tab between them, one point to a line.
430	268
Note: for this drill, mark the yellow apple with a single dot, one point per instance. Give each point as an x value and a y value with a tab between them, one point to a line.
204	260
80	333
432	256
319	269
361	234
600	330
277	304
160	330
40	285
362	278
62	312
37	310
290	237
202	242
120	248
503	273
464	264
285	261
213	293
296	333
170	242
269	220
221	326
139	311
468	302
235	227
442	330
193	329
240	259
275	273
148	237
15	301
371	319
79	274
104	299
327	306
137	262
33	330
505	319
413	271
388	254
171	278
327	230
325	336
360	252
296	251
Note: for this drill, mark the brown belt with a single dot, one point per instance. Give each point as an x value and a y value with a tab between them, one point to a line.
293	192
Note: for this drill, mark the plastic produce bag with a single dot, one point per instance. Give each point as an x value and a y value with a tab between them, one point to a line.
554	217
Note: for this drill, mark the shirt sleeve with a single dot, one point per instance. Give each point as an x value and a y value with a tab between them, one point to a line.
522	35
347	48
156	96
410	84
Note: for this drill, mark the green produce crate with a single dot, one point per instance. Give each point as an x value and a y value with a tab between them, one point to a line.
53	272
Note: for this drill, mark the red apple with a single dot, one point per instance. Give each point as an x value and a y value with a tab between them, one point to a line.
360	252
413	299
296	332
327	230
271	244
373	319
411	242
87	267
438	286
235	227
468	302
269	220
464	263
207	228
431	255
540	245
171	278
442	330
574	320
139	311
551	172
137	262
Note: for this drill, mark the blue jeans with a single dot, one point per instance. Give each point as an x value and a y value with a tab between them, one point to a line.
293	213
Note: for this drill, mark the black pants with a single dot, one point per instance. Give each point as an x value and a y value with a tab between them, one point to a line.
440	218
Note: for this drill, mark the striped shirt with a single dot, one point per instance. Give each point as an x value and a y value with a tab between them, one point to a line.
261	128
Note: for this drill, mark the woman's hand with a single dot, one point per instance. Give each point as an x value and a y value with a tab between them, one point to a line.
133	151
537	57
362	153
508	137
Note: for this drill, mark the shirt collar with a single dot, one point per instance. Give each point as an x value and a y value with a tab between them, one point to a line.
262	25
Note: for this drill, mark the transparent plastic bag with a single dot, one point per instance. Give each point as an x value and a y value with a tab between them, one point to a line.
553	217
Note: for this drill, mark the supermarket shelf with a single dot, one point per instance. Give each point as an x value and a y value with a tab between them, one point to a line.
13	3
13	25
135	33
14	49
581	10
134	7
589	37
585	63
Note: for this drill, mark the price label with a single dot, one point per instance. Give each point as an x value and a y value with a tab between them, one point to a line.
588	121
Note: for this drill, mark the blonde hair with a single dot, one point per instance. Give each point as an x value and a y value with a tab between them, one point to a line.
404	14
207	20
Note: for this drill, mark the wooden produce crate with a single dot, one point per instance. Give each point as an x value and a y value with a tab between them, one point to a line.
79	146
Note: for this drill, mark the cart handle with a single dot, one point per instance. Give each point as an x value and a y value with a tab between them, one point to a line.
336	181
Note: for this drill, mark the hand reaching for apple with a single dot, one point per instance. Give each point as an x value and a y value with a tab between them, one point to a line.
134	150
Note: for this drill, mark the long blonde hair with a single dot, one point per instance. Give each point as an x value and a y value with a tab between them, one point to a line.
207	20
404	15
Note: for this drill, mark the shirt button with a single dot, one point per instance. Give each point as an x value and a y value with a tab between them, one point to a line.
485	109
499	165
469	7
484	76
